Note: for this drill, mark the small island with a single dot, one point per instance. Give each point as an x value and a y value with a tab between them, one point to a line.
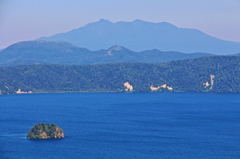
45	131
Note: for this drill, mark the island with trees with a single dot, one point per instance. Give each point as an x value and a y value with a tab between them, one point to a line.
45	131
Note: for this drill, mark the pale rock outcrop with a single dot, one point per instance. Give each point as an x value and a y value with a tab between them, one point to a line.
169	88
206	84
115	48
162	86
128	87
155	88
210	83
211	80
22	92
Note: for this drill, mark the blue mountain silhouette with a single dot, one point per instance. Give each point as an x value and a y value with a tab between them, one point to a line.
140	35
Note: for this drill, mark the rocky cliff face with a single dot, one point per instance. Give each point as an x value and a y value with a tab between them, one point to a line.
45	131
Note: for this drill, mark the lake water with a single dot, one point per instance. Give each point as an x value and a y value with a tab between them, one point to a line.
123	125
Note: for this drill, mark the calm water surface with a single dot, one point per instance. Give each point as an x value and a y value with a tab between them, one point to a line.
123	125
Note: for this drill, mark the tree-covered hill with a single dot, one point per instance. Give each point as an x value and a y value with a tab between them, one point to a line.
215	73
63	53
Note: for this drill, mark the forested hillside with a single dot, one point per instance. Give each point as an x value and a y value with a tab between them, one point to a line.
216	74
63	53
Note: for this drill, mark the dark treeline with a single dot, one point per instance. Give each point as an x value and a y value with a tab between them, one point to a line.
183	76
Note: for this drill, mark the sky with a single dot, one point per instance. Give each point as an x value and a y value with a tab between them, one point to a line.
22	20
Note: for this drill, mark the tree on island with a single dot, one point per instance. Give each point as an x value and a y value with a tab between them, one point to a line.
45	131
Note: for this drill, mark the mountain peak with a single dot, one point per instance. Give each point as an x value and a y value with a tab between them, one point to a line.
167	25
104	21
114	48
139	21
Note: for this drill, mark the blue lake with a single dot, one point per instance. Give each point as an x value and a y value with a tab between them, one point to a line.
123	125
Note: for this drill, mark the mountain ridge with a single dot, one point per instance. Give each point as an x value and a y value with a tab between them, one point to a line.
140	35
64	53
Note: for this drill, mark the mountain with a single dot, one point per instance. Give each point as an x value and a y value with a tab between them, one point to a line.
140	35
41	51
205	74
51	52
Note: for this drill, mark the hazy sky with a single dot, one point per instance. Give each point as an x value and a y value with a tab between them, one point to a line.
30	19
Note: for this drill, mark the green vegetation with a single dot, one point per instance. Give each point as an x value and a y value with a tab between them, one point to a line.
63	53
45	131
182	76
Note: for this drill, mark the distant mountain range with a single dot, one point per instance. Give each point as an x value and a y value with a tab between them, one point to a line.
64	53
205	74
140	35
55	66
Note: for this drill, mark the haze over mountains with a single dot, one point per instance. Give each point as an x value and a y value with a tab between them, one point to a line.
51	65
49	52
140	35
